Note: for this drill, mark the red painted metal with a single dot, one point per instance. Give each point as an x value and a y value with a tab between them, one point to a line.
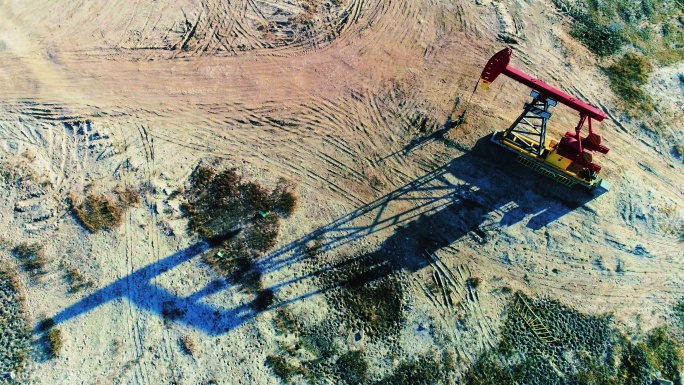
498	65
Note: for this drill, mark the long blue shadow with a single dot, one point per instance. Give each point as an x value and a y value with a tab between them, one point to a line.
138	288
446	204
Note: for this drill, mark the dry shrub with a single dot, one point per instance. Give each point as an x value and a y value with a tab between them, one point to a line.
75	279
241	217
225	185
220	203
214	203
188	345
237	264
679	150
128	196
102	211
283	199
46	324
232	253
31	257
54	337
473	282
263	233
256	196
201	177
98	212
14	332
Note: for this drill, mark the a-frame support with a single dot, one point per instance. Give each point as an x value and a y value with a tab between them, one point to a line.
529	130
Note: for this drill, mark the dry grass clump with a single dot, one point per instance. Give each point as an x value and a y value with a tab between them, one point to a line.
281	367
374	306
103	211
285	322
188	345
128	197
54	337
367	294
423	371
364	295
589	351
219	202
241	218
16	173
171	312
352	367
15	335
98	212
651	26
31	257
75	279
627	76
311	352
313	248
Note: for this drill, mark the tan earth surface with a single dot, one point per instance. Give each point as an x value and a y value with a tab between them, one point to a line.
330	95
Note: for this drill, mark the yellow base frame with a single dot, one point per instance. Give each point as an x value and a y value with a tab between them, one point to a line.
553	165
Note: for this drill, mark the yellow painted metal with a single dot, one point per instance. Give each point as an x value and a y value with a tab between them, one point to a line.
558	161
554	170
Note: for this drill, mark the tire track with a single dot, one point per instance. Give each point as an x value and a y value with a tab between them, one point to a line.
60	157
268	28
140	374
153	240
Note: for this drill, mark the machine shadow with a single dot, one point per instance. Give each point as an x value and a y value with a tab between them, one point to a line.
139	289
474	196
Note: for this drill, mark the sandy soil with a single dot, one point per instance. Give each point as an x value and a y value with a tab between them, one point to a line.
135	93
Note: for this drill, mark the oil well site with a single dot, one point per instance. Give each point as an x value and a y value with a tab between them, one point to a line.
342	192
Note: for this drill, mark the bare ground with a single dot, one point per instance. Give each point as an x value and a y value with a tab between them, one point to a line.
332	96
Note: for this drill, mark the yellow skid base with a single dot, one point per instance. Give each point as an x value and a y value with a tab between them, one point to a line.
548	168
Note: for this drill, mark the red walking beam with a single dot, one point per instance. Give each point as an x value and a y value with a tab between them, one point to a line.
498	64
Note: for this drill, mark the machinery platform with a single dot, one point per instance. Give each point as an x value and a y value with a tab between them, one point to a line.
545	166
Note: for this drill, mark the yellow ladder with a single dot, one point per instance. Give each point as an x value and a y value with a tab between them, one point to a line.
544	171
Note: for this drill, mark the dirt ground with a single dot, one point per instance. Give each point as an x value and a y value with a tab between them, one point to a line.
330	95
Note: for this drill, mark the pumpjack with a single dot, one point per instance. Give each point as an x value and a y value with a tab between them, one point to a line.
570	160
